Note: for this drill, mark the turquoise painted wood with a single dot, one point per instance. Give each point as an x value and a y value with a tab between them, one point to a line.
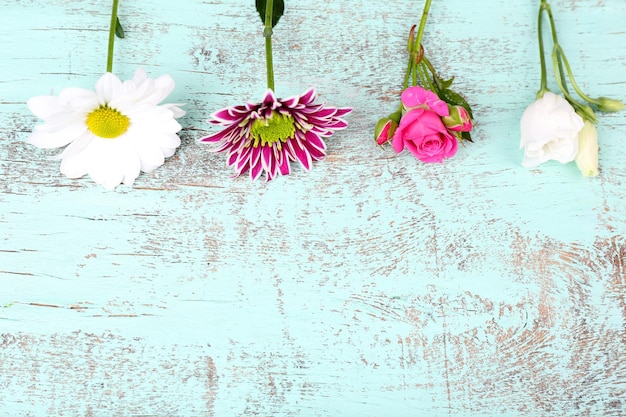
372	286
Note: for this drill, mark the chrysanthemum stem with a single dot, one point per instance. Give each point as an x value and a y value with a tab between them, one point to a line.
267	32
112	36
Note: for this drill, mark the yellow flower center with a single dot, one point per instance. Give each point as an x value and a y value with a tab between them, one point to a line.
277	128
107	123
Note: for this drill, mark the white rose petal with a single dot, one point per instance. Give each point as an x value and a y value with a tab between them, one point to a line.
549	130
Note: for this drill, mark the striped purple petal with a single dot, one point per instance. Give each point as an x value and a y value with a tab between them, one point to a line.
312	123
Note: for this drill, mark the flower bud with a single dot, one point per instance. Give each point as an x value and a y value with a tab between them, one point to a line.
458	120
385	128
587	113
587	157
609	105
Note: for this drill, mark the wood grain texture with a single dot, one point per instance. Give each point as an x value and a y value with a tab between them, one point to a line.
372	286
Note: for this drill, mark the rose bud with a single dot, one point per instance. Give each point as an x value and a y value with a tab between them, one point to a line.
587	157
386	127
458	120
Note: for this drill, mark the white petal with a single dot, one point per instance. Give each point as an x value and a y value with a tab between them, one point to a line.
42	138
45	106
140	76
132	94
156	139
155	119
108	86
164	85
79	98
130	166
549	130
174	108
144	90
167	152
75	166
112	162
77	146
168	141
530	162
153	91
150	156
107	179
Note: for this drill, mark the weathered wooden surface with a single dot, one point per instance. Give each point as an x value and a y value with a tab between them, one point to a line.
372	286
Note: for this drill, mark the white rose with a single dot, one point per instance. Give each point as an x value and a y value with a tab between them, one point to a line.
587	158
549	128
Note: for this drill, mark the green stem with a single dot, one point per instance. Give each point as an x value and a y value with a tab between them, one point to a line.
559	51
555	40
431	79
412	68
584	111
267	32
423	78
427	81
420	31
542	58
429	66
112	36
407	74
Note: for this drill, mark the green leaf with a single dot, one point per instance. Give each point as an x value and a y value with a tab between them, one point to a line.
466	136
119	30
447	83
441	84
277	10
455	99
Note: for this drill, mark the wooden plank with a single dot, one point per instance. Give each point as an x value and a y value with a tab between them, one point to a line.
373	285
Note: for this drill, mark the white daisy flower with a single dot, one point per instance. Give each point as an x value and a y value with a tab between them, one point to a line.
113	133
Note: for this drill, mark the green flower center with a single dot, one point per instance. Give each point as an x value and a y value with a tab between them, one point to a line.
277	128
107	123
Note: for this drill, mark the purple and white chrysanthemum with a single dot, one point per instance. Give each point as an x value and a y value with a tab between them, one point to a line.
266	136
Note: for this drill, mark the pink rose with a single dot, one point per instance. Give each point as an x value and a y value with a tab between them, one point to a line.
416	97
423	133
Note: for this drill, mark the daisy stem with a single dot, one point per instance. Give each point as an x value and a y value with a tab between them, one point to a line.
267	32
112	36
